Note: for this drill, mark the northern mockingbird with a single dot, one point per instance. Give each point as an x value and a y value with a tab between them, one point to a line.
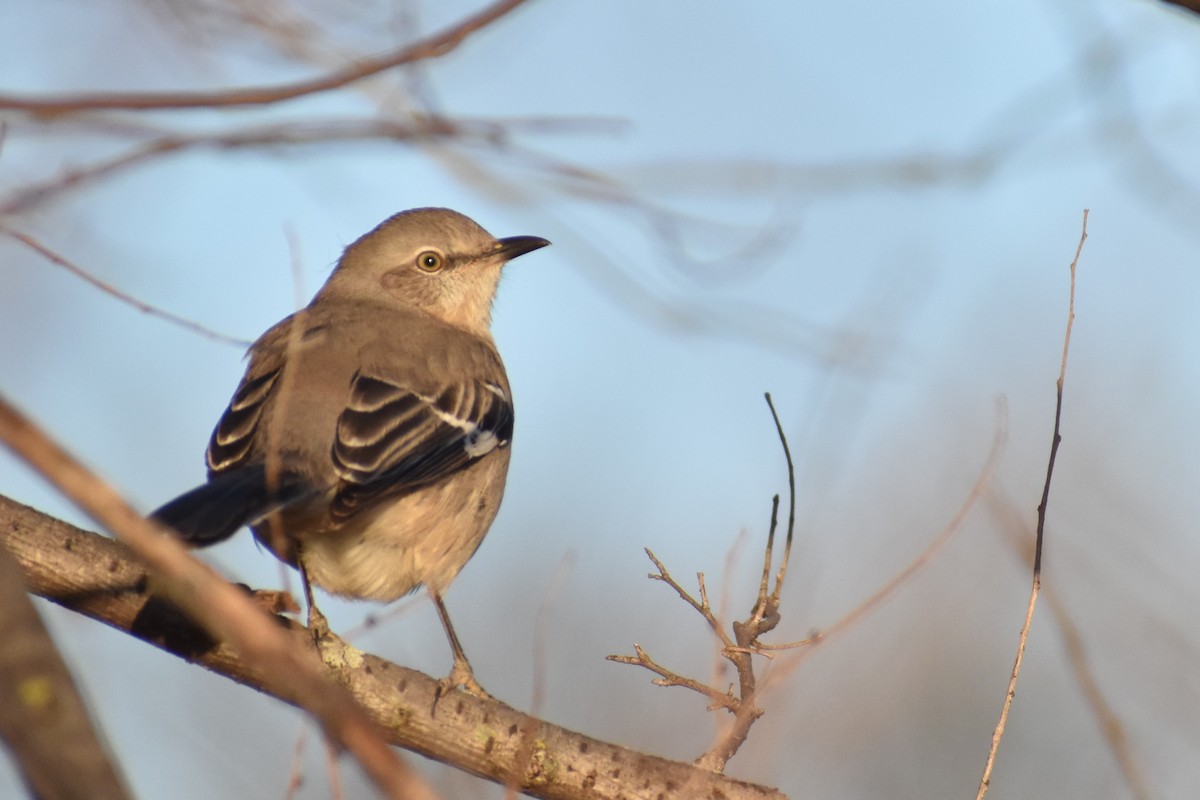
367	443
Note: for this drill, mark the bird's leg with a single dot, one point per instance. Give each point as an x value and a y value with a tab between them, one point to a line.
461	673
318	626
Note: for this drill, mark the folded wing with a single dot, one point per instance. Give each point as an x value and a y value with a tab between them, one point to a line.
392	439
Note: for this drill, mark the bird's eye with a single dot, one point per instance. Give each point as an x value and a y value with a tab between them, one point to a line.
429	261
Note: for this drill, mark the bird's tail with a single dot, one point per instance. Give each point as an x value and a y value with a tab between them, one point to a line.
214	511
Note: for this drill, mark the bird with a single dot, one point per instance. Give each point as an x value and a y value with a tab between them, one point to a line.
368	442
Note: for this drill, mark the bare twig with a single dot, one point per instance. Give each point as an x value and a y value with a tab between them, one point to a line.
124	297
702	606
998	734
746	641
1110	726
791	528
431	47
719	699
742	646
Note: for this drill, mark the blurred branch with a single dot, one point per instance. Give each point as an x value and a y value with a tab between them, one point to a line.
42	717
289	134
1055	440
93	575
431	47
922	559
108	288
1188	5
284	666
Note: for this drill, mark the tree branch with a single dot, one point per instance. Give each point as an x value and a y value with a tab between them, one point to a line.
225	613
42	717
109	289
100	578
431	47
739	649
1056	439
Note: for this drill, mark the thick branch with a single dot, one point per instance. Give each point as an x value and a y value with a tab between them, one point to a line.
222	611
92	575
42	717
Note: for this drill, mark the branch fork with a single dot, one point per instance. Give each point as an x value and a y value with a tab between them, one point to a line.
744	643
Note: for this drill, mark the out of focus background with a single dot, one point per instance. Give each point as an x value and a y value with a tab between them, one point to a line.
867	209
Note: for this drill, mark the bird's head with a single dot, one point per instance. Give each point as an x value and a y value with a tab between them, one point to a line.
432	259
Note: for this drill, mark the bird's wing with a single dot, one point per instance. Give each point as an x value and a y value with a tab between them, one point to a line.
392	439
233	438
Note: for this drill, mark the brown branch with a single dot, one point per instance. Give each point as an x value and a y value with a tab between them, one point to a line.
287	668
702	606
294	133
763	619
124	297
1055	440
719	699
743	646
1188	5
92	575
431	47
42	717
791	528
1108	721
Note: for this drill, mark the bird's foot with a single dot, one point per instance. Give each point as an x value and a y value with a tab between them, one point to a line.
318	626
461	677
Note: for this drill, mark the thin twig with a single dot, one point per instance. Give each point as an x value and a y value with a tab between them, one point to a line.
431	47
124	297
742	647
1109	725
702	606
719	699
760	607
791	528
998	733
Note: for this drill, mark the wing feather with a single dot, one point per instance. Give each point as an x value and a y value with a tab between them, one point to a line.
233	438
391	439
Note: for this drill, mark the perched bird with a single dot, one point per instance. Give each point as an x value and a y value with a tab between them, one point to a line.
368	442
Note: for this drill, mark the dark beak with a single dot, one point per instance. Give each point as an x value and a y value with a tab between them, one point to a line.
514	246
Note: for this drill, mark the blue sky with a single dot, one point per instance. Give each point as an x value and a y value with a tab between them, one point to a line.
867	210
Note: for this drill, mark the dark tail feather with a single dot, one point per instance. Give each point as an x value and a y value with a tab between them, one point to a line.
215	511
